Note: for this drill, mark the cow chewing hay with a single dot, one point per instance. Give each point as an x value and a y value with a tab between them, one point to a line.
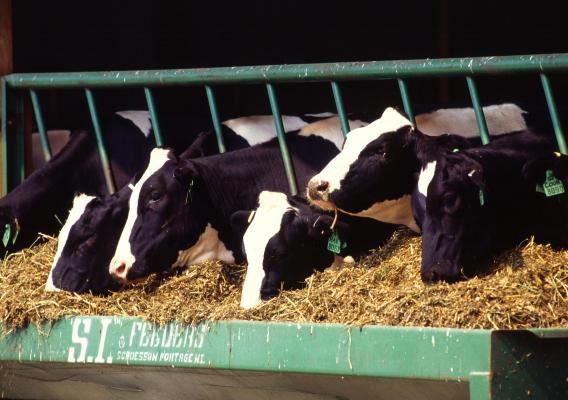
525	287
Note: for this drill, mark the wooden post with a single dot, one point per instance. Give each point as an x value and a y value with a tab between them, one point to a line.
6	64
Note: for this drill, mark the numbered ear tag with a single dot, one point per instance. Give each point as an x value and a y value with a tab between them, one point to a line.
334	243
552	186
481	198
7	234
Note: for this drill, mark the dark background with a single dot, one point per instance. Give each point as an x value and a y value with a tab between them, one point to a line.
145	34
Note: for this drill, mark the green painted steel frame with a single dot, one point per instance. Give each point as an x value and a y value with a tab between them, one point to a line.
486	359
271	74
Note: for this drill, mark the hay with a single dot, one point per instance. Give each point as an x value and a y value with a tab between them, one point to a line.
526	287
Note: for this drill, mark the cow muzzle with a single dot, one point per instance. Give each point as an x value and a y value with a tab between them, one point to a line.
118	271
318	190
444	270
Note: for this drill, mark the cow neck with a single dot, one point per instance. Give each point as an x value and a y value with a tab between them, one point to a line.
51	184
225	190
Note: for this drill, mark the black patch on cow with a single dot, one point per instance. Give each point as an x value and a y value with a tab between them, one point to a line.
458	230
300	246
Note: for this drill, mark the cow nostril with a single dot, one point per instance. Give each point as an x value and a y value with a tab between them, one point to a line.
322	186
119	271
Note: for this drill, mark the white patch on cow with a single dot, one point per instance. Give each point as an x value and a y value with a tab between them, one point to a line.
426	175
330	129
260	128
500	119
80	202
123	253
140	118
356	141
396	212
326	114
266	223
207	247
337	263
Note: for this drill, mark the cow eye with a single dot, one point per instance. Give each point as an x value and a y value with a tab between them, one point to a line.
451	203
154	197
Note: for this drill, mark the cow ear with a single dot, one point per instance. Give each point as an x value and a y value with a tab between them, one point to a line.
240	220
184	172
197	148
534	171
320	225
476	176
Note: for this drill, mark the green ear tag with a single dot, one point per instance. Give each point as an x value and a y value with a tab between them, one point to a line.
334	243
7	234
481	198
552	186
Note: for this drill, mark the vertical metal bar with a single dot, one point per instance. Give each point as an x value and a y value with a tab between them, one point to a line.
4	143
40	126
153	116
215	118
281	139
553	114
340	108
100	142
406	101
19	166
479	116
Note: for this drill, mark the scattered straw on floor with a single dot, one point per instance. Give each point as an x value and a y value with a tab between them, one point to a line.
526	287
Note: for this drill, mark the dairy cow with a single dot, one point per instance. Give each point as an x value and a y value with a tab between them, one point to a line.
129	139
377	169
89	236
477	203
180	209
286	240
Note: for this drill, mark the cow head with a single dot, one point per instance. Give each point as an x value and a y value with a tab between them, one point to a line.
285	241
87	242
373	175
454	226
166	215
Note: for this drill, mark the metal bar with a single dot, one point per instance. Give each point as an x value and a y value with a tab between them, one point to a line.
100	142
215	118
4	143
406	101
560	139
340	108
46	148
153	116
479	116
18	167
297	72
282	140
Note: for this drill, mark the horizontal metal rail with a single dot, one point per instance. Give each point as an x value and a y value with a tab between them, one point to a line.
546	63
270	74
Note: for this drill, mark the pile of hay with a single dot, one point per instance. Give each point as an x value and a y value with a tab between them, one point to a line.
526	287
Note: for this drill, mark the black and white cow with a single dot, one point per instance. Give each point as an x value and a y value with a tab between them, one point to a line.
286	240
86	244
376	171
180	209
44	198
84	252
477	203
